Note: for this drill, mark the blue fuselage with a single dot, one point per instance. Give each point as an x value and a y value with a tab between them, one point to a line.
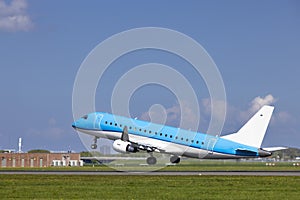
218	147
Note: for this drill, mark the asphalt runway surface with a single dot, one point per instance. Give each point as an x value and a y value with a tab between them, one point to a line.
162	173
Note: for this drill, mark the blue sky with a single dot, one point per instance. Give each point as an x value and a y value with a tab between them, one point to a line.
255	44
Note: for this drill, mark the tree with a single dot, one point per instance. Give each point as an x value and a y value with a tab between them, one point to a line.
85	154
38	151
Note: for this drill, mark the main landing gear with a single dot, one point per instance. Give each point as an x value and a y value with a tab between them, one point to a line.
174	159
151	160
94	145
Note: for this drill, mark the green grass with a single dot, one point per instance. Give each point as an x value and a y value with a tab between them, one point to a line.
147	187
229	165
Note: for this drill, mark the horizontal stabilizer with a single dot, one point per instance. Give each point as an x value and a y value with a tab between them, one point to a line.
274	148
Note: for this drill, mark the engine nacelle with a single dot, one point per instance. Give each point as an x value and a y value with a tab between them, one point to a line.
124	147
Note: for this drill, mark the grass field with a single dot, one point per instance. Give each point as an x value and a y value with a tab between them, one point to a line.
147	187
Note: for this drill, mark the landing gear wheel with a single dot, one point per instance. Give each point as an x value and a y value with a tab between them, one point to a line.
94	146
174	159
151	160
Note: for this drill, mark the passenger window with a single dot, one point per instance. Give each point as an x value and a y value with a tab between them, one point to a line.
166	135
110	123
171	136
160	134
105	122
116	124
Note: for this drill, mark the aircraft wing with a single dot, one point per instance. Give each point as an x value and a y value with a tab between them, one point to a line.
148	147
140	145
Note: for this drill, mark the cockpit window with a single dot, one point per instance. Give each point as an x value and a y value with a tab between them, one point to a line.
84	117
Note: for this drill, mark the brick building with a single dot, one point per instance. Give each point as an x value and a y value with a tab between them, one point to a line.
39	159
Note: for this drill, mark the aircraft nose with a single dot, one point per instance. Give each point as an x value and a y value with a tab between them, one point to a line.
74	125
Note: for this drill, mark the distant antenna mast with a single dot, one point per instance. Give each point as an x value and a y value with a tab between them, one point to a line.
20	145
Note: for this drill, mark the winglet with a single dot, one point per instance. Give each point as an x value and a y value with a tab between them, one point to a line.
125	136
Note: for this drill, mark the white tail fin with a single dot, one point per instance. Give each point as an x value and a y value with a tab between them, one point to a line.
253	132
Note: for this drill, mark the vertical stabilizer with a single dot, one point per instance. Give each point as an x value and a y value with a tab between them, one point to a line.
253	132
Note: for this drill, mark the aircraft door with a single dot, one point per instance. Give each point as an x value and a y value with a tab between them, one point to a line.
98	121
210	144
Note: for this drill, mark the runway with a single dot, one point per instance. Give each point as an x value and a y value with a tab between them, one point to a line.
161	173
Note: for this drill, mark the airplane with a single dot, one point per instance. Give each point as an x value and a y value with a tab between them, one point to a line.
133	135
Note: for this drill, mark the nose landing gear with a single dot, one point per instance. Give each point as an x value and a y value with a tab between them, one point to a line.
94	145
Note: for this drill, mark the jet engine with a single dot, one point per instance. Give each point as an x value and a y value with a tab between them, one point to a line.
124	147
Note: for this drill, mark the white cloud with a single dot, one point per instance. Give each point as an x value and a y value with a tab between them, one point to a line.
235	116
283	116
14	16
172	116
156	114
220	107
258	102
238	116
255	105
16	6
